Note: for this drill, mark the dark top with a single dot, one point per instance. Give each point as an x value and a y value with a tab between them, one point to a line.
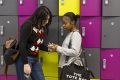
28	39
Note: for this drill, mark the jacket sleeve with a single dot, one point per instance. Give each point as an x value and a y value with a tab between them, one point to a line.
75	46
43	47
24	36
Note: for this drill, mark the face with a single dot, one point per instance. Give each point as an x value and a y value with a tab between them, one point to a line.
66	22
45	22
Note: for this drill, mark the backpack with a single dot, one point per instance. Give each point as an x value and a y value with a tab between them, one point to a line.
10	54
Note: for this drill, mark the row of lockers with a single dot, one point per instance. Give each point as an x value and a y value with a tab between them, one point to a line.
91	32
107	64
97	32
60	7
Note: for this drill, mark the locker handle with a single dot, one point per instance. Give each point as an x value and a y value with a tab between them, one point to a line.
62	30
62	2
2	60
41	2
83	31
1	30
1	2
106	2
104	64
84	2
21	2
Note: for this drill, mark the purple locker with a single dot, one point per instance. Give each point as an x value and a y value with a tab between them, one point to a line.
11	77
90	28
90	8
110	64
27	7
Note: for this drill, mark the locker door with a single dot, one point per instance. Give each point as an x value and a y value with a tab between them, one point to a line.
8	77
111	7
27	7
110	64
8	7
110	32
69	6
63	32
8	27
90	29
51	4
49	60
88	9
93	60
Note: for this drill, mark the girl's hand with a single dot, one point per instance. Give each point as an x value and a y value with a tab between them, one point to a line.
27	69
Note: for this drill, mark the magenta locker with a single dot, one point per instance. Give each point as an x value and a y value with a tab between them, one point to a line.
91	7
90	28
27	7
110	64
8	77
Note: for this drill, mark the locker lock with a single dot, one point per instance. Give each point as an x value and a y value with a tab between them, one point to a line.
84	2
62	2
21	2
41	2
106	2
90	23
1	2
1	30
83	31
104	63
112	23
111	55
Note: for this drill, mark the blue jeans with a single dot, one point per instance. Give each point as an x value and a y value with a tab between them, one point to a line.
36	69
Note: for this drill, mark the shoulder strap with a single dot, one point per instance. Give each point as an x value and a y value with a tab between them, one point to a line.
69	46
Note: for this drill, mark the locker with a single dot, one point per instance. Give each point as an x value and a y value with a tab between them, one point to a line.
11	77
88	9
63	32
110	65
27	7
49	60
8	27
111	7
93	60
110	32
51	4
8	7
90	28
69	6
